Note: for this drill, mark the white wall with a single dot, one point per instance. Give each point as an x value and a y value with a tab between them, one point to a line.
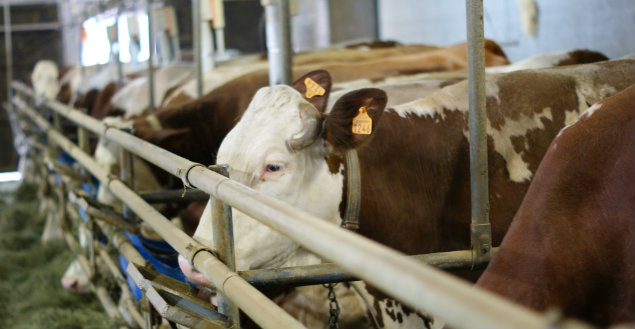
607	26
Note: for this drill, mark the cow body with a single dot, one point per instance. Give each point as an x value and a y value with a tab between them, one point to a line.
134	98
402	60
194	130
571	245
414	167
45	78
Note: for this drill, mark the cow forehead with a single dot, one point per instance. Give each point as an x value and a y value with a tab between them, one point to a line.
271	117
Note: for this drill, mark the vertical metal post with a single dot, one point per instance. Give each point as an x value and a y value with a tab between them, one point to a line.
278	41
151	57
82	139
196	45
126	173
222	229
8	47
481	236
219	26
118	54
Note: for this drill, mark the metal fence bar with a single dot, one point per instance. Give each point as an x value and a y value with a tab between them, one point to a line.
151	54
8	44
259	308
196	45
480	229
110	264
420	287
329	272
222	229
278	33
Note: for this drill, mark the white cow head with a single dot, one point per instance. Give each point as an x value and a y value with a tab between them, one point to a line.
45	79
279	148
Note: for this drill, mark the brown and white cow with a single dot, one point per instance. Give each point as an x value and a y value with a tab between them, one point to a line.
195	129
571	245
414	167
403	60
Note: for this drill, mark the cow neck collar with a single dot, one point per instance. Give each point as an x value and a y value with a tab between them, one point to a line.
353	191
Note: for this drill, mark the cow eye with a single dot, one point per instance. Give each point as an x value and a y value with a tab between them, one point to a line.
273	167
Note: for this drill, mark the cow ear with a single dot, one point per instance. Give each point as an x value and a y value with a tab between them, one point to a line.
354	118
315	87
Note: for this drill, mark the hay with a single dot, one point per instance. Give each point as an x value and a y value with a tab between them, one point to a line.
32	296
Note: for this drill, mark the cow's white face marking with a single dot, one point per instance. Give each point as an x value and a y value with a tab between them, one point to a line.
45	79
257	155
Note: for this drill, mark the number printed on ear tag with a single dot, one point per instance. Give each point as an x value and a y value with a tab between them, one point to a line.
313	88
362	123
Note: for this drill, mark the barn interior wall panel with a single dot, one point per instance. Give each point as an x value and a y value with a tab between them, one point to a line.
605	26
351	20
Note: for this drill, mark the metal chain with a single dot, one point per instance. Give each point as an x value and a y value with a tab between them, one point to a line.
334	307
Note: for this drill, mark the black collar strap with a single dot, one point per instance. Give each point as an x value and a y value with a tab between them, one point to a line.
354	191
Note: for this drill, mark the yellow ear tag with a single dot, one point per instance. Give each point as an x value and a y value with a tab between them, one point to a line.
313	88
362	123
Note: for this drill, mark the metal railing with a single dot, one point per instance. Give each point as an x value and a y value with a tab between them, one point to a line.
421	287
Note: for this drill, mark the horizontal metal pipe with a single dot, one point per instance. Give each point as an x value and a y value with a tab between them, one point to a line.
418	286
329	272
182	196
32	27
257	306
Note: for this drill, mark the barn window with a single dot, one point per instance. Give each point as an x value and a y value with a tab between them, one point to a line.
132	34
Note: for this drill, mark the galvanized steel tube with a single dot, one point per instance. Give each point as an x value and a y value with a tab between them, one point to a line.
329	272
119	64
196	45
278	33
8	46
151	54
223	232
219	26
481	236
